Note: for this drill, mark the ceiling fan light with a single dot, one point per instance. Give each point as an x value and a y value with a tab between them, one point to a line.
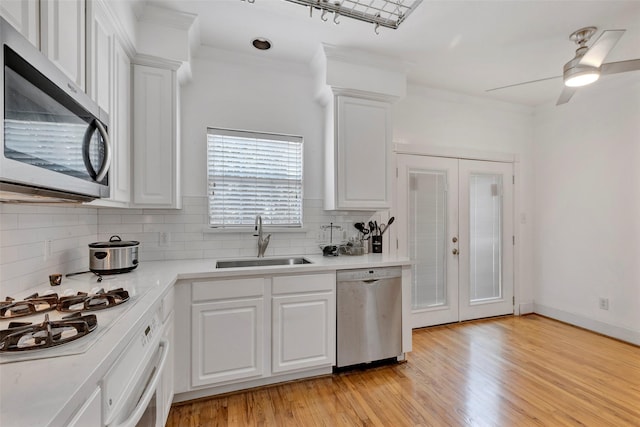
576	74
581	79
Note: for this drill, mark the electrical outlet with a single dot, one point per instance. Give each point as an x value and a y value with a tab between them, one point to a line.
603	303
47	249
163	238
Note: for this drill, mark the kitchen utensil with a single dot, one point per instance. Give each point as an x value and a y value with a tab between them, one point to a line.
384	227
372	227
113	257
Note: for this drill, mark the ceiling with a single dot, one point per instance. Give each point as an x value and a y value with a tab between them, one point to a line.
464	46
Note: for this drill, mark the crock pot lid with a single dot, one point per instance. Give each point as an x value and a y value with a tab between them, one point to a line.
114	242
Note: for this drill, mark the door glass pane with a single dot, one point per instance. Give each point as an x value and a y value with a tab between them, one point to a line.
485	237
427	237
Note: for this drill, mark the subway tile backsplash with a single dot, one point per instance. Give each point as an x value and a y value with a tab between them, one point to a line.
36	240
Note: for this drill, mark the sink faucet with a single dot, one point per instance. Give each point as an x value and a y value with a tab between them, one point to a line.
263	242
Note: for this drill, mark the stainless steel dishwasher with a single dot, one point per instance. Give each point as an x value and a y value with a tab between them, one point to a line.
369	315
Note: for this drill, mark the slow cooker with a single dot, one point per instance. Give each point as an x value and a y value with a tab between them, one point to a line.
113	257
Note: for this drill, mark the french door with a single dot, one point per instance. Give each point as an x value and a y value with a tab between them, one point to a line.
458	231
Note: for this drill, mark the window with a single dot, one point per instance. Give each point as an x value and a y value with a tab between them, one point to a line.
249	174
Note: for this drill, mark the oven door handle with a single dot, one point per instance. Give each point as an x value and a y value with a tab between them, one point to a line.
138	411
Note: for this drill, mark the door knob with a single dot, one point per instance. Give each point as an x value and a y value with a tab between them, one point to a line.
455	251
454	240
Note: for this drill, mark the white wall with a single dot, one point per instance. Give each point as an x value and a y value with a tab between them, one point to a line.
587	208
239	92
463	123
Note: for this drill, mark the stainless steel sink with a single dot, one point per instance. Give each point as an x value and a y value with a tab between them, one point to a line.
261	262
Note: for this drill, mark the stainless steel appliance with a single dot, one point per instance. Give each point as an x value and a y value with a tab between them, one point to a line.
113	257
55	141
369	315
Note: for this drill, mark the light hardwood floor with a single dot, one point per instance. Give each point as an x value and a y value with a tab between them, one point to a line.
511	371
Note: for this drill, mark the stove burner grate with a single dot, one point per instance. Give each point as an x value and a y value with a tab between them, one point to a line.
21	336
92	302
33	304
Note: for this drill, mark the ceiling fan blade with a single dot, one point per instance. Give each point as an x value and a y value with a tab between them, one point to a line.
620	67
523	83
566	95
600	49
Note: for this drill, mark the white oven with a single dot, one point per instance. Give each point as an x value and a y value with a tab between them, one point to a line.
132	389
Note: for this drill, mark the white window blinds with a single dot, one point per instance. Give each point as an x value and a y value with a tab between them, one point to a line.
251	174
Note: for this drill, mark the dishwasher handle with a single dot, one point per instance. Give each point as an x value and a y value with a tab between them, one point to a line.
138	411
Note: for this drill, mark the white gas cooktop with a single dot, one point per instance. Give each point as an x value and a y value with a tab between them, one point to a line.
106	318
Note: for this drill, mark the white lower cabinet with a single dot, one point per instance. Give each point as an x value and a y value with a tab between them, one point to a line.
227	337
254	328
303	322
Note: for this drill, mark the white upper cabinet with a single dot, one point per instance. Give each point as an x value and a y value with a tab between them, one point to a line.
100	52
56	27
109	85
357	90
62	25
24	16
120	173
156	148
358	149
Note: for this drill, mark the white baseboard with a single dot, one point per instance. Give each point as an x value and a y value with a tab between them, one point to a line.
525	308
613	331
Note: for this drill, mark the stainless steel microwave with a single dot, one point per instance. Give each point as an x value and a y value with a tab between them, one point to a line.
55	141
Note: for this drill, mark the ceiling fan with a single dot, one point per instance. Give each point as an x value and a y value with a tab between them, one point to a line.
588	64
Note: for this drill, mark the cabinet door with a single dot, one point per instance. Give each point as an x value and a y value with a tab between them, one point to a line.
154	152
120	173
303	331
100	43
227	341
62	25
363	153
303	321
24	16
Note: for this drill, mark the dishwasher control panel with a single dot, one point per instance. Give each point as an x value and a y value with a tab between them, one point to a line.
369	274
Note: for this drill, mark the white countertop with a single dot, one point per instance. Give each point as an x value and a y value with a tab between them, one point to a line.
46	392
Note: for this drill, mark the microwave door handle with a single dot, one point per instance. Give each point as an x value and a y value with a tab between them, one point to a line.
99	176
107	152
138	411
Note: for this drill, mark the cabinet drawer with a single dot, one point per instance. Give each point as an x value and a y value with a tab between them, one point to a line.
304	283
226	289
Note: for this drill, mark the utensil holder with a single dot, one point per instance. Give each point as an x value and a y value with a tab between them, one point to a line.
376	244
